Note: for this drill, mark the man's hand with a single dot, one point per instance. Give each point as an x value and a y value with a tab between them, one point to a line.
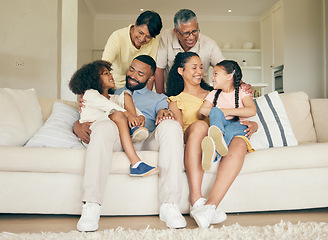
247	88
164	114
82	130
251	128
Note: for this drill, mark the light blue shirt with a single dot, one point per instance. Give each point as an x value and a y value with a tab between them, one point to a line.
149	103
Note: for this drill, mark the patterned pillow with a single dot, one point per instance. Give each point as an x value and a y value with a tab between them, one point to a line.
274	127
57	131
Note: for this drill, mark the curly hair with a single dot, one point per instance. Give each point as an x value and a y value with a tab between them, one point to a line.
175	83
88	77
231	66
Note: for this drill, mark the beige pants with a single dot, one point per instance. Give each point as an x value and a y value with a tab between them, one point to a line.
167	138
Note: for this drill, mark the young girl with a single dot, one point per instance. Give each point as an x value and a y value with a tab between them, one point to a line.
95	81
226	107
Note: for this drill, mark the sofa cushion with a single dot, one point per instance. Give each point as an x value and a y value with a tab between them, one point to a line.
298	111
57	131
62	160
319	110
284	158
274	126
71	161
20	116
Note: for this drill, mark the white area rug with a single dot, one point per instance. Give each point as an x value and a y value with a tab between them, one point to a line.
281	231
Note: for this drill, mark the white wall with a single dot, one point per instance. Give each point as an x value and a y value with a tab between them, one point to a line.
76	42
326	44
304	47
29	32
85	35
68	46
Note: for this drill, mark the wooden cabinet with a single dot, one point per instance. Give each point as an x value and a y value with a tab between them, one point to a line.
272	38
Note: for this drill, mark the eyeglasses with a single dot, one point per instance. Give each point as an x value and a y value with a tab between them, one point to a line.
187	34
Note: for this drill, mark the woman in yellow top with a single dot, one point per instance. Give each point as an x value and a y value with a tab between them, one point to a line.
187	90
127	43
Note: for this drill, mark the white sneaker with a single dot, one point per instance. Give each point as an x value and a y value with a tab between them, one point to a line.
218	216
89	218
221	146
203	215
171	215
208	153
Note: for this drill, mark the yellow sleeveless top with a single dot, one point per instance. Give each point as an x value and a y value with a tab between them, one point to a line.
189	106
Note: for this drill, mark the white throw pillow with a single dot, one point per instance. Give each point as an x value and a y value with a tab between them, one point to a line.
274	127
21	116
57	131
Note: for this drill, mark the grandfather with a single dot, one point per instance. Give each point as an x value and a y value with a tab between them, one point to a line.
185	37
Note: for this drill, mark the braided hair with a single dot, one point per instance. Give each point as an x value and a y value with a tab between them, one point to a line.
88	77
175	83
231	67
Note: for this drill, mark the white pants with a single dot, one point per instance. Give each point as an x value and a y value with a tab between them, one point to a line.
167	138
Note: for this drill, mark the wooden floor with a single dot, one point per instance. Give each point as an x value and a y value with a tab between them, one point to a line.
25	223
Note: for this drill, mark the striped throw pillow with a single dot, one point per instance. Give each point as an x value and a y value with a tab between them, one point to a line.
57	131
274	127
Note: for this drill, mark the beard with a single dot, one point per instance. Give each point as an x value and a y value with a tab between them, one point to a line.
134	87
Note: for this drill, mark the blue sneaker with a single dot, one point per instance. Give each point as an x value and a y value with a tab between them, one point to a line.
138	134
143	170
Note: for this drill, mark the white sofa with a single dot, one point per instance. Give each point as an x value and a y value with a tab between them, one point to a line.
48	180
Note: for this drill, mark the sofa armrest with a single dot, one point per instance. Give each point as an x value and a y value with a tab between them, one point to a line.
319	110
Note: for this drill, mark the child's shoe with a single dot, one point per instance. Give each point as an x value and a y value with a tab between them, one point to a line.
215	133
209	153
143	170
203	215
218	216
138	134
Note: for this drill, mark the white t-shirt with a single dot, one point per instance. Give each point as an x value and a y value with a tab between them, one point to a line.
98	107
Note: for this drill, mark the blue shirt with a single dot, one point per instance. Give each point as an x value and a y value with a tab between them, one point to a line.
149	103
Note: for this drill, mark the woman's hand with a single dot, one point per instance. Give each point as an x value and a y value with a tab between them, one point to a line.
164	114
251	128
82	130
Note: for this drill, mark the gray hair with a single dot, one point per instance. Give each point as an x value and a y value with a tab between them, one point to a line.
184	16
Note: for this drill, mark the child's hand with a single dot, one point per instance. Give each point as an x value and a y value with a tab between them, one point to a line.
81	103
133	121
204	111
225	111
142	120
